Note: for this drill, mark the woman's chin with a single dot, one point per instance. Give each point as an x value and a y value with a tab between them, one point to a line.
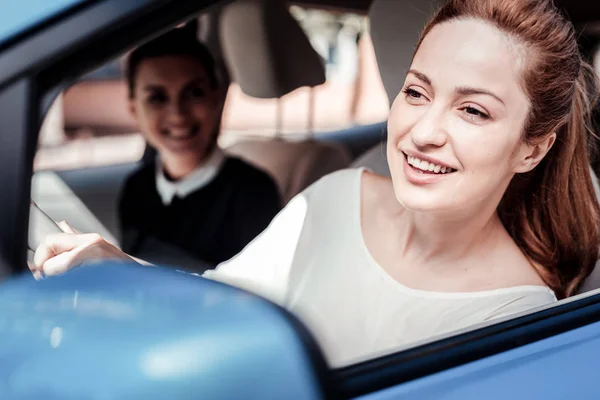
185	148
423	203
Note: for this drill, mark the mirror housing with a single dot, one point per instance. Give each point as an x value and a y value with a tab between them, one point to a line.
120	331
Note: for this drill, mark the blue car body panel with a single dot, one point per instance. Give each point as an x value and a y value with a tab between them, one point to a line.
121	332
565	366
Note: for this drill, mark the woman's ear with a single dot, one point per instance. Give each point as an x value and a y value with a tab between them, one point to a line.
217	97
532	154
132	107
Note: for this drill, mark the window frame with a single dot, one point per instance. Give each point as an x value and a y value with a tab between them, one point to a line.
36	67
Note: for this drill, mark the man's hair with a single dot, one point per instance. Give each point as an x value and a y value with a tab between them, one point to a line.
176	42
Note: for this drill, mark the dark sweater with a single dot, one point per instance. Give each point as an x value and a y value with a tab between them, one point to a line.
214	223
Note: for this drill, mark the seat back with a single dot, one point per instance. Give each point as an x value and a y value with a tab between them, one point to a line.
266	50
269	56
375	160
293	165
395	30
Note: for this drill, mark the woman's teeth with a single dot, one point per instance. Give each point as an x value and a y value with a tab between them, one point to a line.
427	166
180	134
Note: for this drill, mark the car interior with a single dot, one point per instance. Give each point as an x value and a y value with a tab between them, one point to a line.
283	60
263	49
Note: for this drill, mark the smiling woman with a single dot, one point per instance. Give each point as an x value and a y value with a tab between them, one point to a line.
191	196
489	211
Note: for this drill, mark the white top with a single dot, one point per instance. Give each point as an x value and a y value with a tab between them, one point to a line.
313	261
197	179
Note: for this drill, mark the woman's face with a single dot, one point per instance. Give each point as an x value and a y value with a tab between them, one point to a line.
454	132
175	106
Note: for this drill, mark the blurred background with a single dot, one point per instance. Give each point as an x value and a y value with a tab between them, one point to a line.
89	124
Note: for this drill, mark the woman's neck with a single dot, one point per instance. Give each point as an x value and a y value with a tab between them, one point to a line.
178	167
442	239
431	238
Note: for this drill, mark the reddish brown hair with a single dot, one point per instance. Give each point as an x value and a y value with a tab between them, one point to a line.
551	212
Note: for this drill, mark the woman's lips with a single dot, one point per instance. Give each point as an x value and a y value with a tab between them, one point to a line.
181	134
423	175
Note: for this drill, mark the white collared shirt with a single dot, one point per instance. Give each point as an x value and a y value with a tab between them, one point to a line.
198	178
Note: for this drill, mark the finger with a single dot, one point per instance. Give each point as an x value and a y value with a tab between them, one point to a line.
63	251
68	260
34	271
56	244
37	274
66	228
62	263
42	254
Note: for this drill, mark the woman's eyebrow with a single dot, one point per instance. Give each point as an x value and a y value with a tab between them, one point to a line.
153	88
420	76
196	81
465	91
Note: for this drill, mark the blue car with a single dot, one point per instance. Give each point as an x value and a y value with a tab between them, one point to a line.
114	331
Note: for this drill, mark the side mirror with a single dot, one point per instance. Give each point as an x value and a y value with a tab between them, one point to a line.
115	331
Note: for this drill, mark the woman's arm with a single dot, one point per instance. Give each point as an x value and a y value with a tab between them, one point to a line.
265	265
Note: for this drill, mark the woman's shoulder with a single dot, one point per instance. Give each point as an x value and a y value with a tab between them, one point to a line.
144	176
520	299
138	187
244	171
335	188
346	178
509	262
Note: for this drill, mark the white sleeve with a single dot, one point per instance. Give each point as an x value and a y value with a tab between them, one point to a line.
264	266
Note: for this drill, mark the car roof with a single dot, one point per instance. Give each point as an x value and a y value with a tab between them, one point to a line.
579	11
24	15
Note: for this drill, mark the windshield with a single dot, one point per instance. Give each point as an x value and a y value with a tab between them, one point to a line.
26	14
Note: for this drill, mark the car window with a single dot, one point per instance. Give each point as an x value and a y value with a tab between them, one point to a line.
89	125
352	95
67	144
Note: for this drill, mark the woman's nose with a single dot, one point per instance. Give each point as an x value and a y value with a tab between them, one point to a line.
177	110
429	130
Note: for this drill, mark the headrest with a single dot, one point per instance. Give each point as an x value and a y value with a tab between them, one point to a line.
208	33
266	50
395	29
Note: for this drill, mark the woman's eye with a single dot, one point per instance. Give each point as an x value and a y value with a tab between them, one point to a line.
412	93
197	92
157	99
475	113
